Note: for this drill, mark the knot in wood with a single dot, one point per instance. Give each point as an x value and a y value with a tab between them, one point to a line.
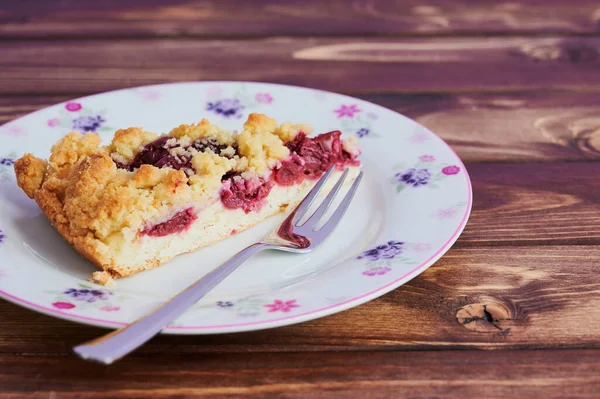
576	128
491	316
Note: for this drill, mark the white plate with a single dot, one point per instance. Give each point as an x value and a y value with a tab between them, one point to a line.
412	206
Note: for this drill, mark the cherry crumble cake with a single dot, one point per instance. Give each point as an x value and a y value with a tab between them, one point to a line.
143	199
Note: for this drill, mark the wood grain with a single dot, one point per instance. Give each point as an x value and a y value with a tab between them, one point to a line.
481	127
513	86
534	297
526	204
469	374
176	18
500	64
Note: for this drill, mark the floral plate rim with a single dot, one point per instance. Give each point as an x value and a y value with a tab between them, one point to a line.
289	319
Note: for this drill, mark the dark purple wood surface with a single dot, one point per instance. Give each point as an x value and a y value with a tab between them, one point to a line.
514	87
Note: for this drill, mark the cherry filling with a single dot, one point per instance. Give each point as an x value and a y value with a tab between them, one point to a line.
158	153
180	222
311	157
248	195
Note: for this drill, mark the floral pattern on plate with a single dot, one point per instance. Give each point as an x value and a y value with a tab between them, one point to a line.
12	130
450	212
6	166
151	95
75	117
85	297
236	105
381	258
356	121
426	172
279	305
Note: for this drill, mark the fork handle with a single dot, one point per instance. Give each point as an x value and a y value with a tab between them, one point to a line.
117	344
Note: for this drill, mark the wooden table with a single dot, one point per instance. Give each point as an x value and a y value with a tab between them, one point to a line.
514	87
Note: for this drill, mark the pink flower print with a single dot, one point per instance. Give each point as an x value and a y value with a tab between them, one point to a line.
63	305
420	247
53	122
264	98
283	306
418	137
451	170
73	106
347	110
446	213
426	158
108	308
15	131
214	91
151	95
377	271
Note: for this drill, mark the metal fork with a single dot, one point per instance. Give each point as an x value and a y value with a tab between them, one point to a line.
290	236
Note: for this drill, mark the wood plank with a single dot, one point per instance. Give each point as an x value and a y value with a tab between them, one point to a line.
468	374
535	297
528	204
176	18
500	64
481	127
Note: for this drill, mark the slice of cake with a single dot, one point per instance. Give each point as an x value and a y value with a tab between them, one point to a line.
143	199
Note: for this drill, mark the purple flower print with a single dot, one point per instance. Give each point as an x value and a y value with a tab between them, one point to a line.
426	158
87	295
264	98
7	161
384	251
227	107
282	306
63	305
414	177
2	237
363	132
347	110
86	124
451	170
73	106
377	271
224	304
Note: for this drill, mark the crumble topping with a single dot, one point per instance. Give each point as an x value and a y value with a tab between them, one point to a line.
204	130
127	142
288	130
260	145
